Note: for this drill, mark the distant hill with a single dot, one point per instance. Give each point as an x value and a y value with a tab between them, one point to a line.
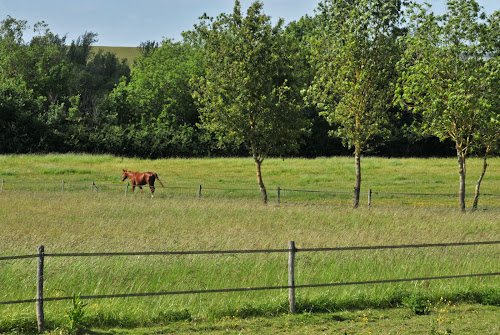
121	52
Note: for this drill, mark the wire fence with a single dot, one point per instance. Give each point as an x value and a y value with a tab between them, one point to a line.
280	195
291	251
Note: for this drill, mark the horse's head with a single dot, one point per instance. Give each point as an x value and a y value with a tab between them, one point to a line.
125	175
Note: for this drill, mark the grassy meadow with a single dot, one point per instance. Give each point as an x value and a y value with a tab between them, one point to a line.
128	53
334	177
79	220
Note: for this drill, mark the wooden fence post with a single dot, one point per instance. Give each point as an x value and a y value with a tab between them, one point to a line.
279	195
92	187
126	189
63	186
3	182
199	192
291	276
369	198
39	292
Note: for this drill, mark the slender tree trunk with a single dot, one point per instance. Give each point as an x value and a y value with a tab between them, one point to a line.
263	192
462	172
357	184
478	184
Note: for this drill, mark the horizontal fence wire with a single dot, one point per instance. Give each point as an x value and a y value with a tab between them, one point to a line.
402	246
8	258
315	191
208	252
250	251
246	289
35	182
424	194
248	189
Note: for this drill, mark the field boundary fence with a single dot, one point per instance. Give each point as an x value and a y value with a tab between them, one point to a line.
198	190
292	250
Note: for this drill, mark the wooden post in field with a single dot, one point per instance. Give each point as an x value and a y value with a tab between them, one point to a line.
3	182
93	184
63	186
199	192
369	198
291	276
126	189
39	291
279	195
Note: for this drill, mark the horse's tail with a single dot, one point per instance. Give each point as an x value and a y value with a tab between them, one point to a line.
156	176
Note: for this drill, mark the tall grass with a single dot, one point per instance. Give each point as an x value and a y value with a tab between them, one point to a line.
107	221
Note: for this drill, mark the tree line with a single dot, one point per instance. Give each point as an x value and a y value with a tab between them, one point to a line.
387	78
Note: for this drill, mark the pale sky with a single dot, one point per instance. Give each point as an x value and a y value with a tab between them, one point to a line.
130	22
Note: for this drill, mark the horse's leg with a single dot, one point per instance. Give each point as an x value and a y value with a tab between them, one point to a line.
152	188
140	187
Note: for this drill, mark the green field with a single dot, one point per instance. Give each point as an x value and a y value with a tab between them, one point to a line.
79	220
128	53
387	178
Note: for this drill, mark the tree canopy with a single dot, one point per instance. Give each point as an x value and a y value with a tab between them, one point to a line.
354	53
449	77
230	86
246	93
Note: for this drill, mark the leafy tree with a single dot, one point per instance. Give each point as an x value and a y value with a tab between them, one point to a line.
42	63
12	30
69	82
80	50
41	72
46	69
156	105
93	75
148	47
101	74
160	84
245	95
487	137
11	46
21	127
354	55
444	75
299	35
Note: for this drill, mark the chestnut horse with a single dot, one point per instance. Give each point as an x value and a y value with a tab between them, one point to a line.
142	178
